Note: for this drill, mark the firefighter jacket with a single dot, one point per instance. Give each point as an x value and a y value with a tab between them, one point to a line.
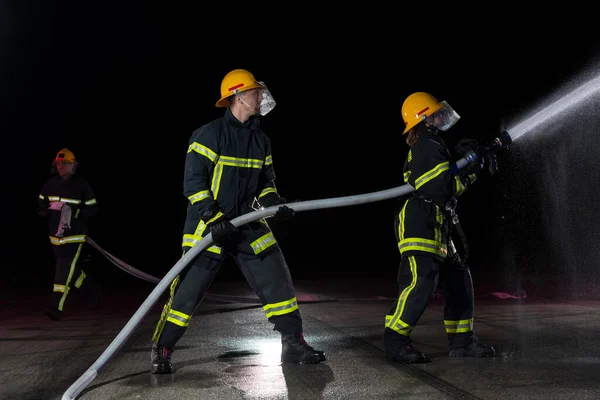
78	194
422	223
227	167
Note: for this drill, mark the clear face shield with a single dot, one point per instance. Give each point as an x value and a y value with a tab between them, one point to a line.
267	102
444	118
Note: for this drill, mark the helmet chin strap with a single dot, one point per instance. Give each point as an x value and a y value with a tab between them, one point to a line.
432	127
248	105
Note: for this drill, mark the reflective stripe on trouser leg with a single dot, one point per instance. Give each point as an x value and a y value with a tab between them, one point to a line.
268	274
160	326
80	280
417	280
186	293
67	269
459	298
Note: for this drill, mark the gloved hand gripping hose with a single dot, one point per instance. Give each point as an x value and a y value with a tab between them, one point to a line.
502	141
91	373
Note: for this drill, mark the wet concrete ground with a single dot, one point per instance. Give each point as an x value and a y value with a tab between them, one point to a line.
546	349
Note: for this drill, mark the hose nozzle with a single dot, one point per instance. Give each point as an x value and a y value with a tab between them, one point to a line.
502	141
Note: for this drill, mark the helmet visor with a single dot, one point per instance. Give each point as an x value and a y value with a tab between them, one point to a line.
444	118
268	102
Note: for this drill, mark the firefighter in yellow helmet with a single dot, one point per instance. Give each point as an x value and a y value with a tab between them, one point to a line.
423	232
66	200
228	169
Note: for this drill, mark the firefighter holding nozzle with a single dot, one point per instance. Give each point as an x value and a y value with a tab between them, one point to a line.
423	228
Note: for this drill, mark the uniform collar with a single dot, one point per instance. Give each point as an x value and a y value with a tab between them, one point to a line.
252	123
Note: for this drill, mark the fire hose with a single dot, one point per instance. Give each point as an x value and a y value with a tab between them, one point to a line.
90	374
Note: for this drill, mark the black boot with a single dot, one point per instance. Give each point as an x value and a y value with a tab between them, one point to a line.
473	349
53	314
294	349
398	348
161	359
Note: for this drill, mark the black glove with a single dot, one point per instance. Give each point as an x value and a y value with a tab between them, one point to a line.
270	200
284	213
223	232
475	167
466	144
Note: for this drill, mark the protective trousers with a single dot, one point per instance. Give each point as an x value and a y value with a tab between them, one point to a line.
267	274
418	277
68	273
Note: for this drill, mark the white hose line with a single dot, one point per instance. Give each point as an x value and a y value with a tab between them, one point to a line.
91	373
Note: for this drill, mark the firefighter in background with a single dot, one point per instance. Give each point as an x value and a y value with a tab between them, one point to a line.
423	234
66	201
229	167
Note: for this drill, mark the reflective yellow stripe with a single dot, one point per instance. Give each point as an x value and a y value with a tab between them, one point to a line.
459	187
283	307
241	162
59	288
216	180
268	160
437	230
434	172
203	150
192	240
422	244
196	197
402	218
267	191
179	318
400	326
393	321
460	326
219	215
79	281
263	243
434	246
70	201
68	239
63	199
61	303
90	202
160	326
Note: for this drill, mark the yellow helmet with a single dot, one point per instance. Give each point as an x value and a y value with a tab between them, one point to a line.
417	107
236	81
65	155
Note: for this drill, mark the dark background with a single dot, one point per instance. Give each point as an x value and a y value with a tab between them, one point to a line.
123	87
